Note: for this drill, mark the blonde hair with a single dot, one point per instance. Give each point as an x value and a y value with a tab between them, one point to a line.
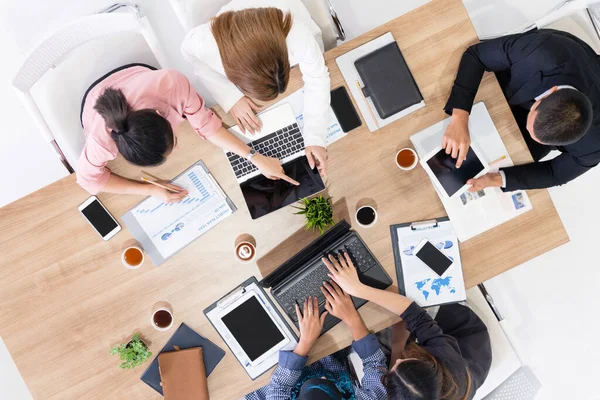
253	49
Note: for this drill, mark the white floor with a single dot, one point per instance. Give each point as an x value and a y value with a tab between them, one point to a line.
549	302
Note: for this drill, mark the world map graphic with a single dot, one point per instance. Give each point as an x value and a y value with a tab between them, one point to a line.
429	286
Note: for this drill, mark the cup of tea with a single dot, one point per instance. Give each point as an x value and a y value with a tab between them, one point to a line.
366	216
245	248
133	257
407	159
162	316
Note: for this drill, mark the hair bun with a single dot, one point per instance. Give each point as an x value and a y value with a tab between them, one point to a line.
119	133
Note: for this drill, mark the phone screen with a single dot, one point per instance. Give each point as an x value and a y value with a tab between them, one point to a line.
434	258
344	109
99	218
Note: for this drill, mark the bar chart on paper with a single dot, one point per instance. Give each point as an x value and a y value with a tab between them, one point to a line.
172	226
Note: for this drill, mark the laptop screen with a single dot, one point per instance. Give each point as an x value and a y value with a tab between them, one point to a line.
264	195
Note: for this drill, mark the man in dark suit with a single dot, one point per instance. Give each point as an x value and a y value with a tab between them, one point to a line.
551	80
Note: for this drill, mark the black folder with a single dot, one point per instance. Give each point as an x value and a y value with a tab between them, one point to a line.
388	81
184	338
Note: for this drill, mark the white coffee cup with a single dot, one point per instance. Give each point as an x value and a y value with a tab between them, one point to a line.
413	165
374	219
162	307
130	266
245	248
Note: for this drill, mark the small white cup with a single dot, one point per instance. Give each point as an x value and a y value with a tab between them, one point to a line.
374	220
129	266
413	165
162	306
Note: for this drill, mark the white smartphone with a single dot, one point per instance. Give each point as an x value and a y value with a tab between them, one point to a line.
432	257
99	218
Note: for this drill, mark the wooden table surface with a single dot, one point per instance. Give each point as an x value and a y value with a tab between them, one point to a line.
66	299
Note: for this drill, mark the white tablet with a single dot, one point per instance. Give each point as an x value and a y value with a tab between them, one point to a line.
253	328
449	180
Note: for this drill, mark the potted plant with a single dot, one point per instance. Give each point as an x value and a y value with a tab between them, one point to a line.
318	212
133	353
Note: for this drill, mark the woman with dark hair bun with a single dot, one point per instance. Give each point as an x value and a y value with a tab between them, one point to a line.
133	111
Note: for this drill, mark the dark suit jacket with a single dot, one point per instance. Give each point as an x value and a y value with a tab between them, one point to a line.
530	64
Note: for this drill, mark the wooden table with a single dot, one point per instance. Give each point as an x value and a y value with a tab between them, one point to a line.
66	298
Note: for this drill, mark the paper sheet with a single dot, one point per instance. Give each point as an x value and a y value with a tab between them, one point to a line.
421	283
171	227
296	101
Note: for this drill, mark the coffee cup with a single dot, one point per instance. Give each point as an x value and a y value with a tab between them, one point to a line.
132	257
406	159
162	316
245	249
366	216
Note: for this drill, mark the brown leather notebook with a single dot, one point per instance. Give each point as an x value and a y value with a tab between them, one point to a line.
182	375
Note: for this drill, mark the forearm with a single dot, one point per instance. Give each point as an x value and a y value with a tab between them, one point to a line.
393	302
120	185
357	327
227	141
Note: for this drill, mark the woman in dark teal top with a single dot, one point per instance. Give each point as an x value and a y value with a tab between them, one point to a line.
453	355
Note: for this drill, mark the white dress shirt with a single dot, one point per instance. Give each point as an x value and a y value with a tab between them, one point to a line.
305	49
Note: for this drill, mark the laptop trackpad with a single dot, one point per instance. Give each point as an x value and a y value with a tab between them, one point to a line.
265	195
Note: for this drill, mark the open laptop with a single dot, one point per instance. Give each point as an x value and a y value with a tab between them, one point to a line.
303	274
280	137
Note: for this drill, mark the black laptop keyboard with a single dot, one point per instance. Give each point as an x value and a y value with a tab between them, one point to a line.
280	144
310	284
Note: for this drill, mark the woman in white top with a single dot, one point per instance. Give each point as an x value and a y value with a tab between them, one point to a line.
246	52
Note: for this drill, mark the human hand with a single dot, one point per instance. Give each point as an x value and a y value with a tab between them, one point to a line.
311	325
339	303
243	112
343	272
457	139
271	168
317	155
166	195
487	180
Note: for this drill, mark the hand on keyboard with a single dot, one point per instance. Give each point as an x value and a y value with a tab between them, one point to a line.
311	325
343	272
271	168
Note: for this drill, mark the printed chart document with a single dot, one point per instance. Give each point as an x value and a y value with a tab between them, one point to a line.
416	280
296	101
165	228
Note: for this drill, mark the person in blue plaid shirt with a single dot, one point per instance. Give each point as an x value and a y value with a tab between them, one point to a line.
329	378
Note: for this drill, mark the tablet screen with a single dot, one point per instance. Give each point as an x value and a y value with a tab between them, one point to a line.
451	178
252	328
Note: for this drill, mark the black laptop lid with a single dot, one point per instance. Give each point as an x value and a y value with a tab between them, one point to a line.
317	247
264	195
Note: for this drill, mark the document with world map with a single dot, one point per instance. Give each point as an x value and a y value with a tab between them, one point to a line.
416	280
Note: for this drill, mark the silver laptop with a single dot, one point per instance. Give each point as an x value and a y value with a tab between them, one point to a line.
279	137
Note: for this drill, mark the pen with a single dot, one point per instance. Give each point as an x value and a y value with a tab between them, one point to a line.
160	185
367	103
497	160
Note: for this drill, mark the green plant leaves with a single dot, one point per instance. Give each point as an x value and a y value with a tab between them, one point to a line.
318	212
133	353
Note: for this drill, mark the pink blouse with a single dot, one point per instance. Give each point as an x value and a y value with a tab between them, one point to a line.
167	91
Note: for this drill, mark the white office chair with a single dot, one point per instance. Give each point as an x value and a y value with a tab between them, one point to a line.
192	13
56	74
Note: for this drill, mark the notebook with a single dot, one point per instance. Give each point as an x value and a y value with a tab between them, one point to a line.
184	338
388	81
182	375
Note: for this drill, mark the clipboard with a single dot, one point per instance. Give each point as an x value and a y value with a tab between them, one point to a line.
417	281
155	242
212	314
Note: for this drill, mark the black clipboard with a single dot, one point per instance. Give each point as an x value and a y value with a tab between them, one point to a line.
419	225
241	288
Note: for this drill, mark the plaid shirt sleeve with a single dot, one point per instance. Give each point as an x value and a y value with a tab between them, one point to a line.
374	366
285	376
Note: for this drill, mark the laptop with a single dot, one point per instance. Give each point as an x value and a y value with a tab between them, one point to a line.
280	137
303	274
